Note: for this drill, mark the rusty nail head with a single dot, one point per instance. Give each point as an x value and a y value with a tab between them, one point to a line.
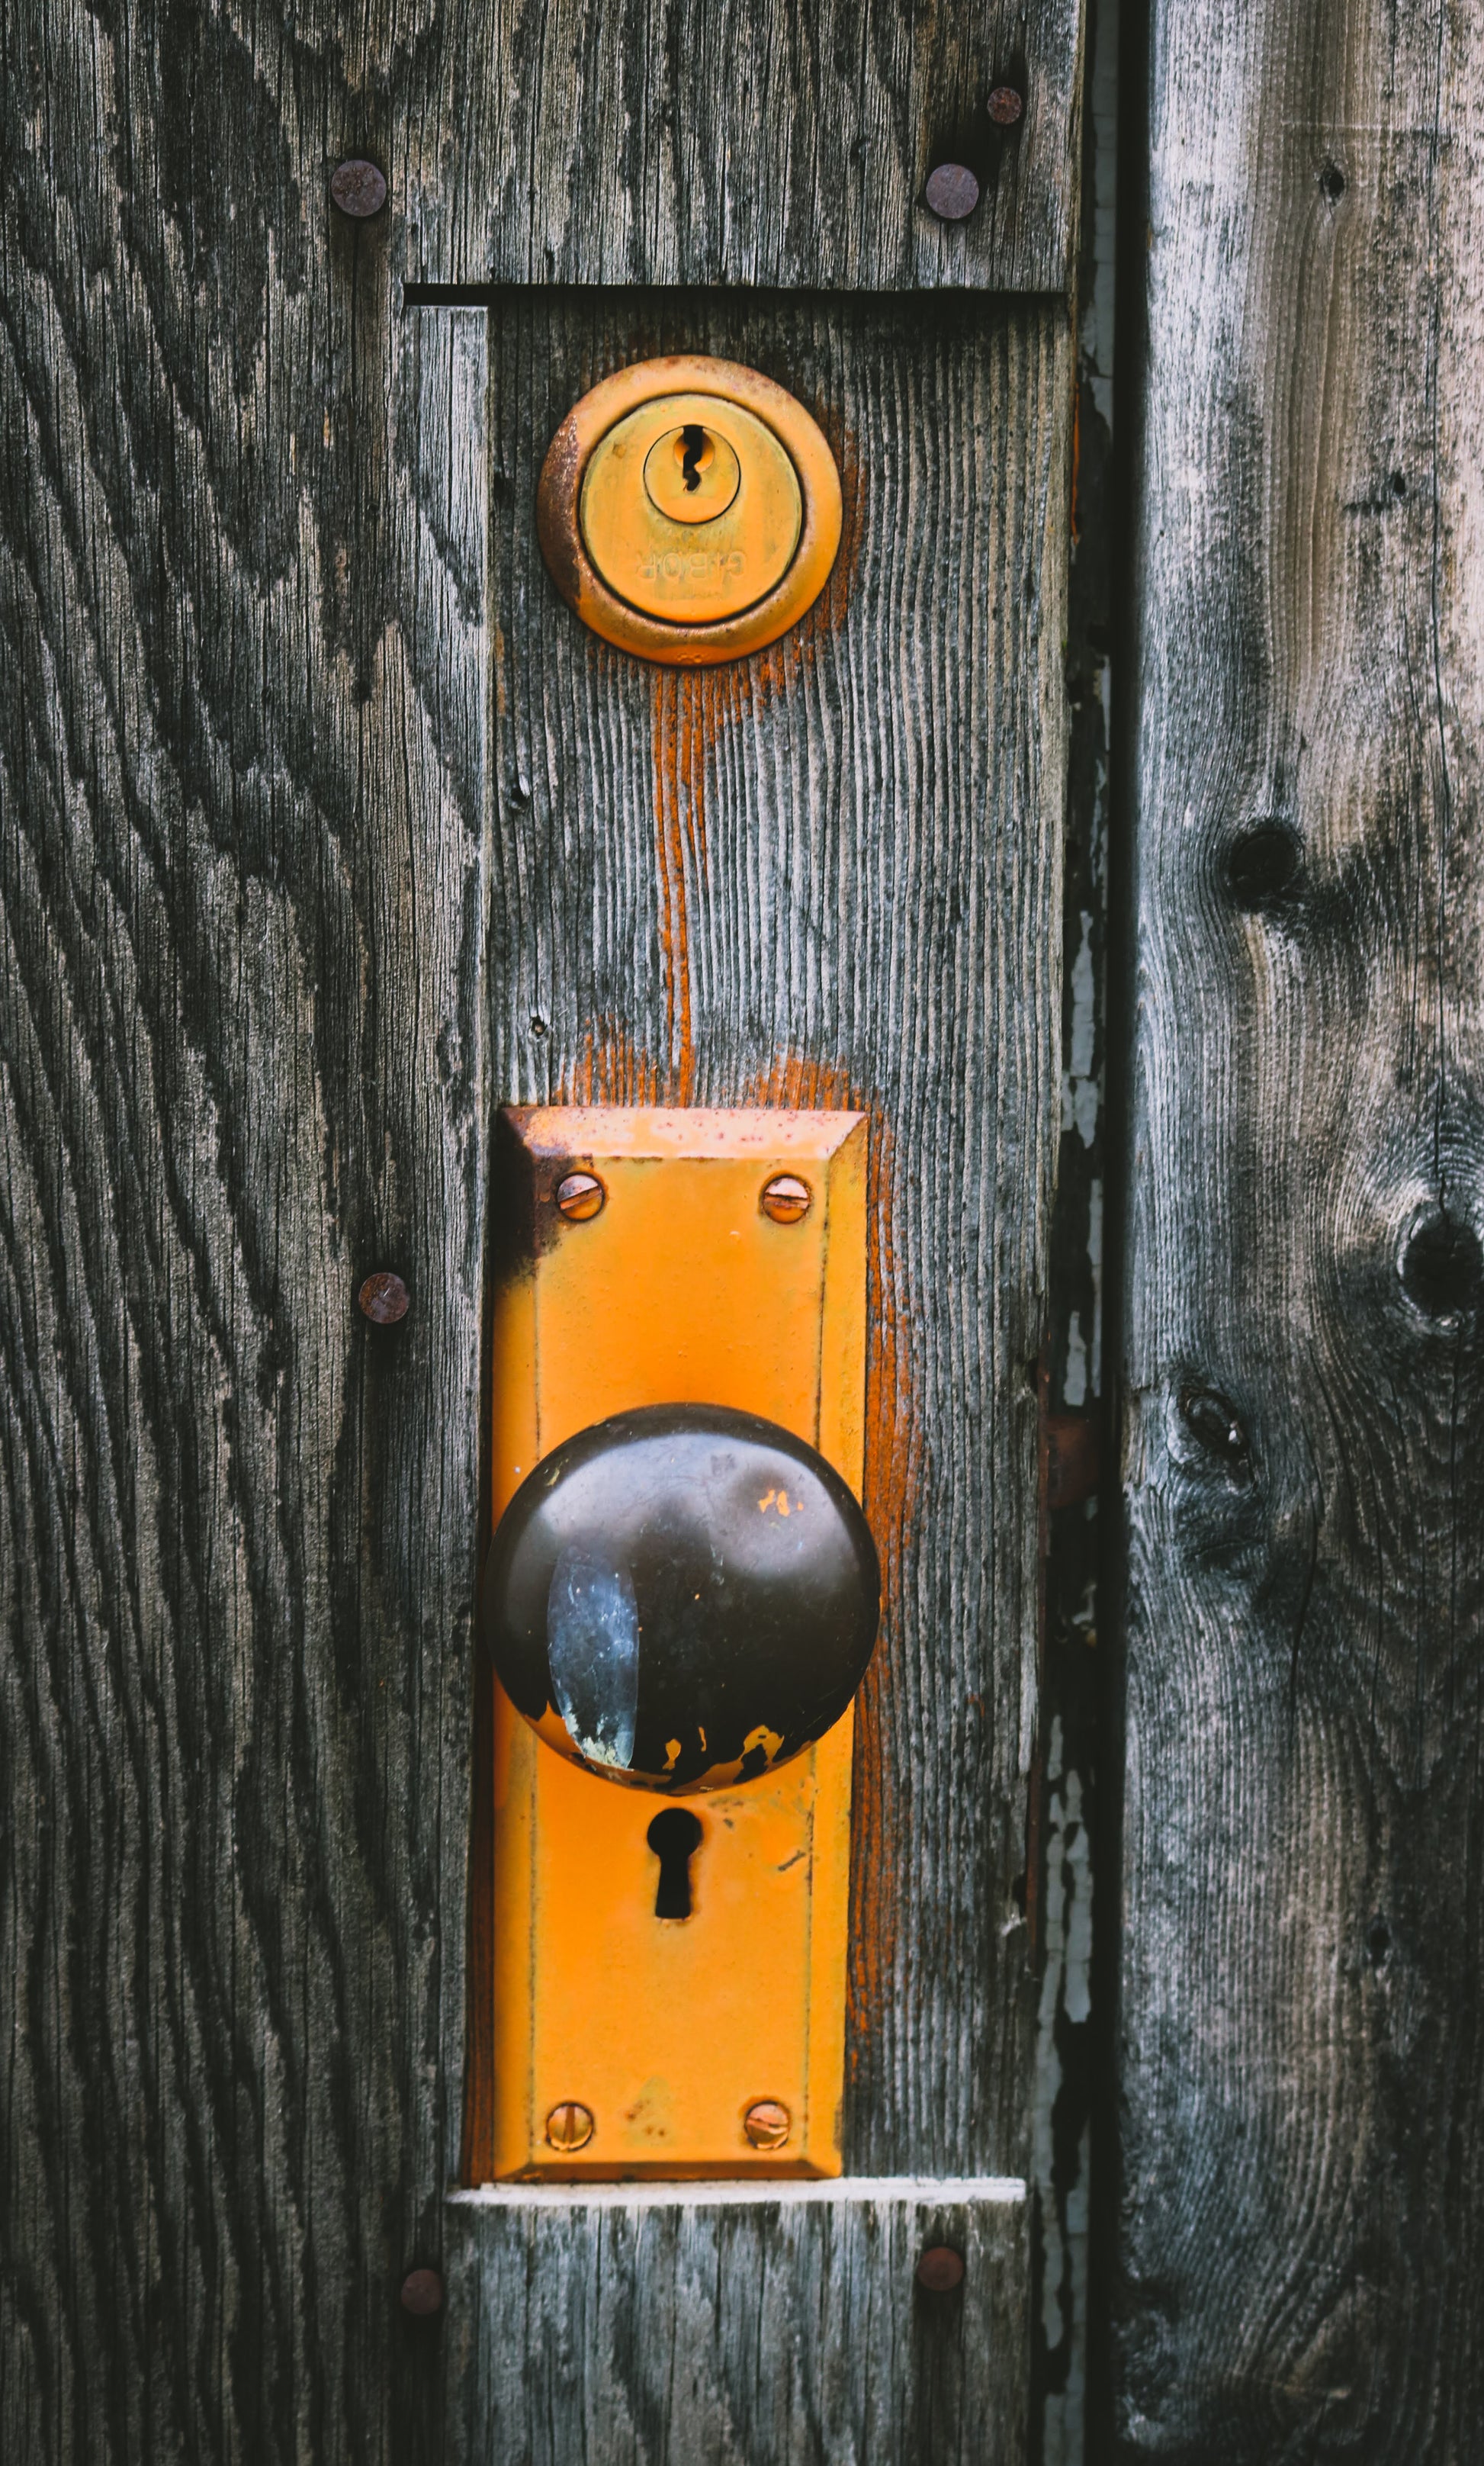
358	187
384	1299
569	2127
581	1196
940	2268
422	2291
767	2123
786	1199
952	192
1005	106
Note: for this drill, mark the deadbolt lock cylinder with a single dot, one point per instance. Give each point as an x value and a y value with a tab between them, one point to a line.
690	510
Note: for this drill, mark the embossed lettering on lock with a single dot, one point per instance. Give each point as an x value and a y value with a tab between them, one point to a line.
690	510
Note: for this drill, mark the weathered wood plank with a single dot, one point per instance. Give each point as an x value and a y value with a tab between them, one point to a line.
832	873
761	143
1303	1853
241	1033
667	2326
245	1055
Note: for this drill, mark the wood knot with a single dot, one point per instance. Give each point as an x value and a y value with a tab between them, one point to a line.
1264	866
1443	1267
1215	1423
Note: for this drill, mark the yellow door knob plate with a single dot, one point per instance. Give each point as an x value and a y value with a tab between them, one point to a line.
689	509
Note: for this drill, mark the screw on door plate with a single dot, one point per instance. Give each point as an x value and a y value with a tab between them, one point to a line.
786	1198
767	2123
570	2126
581	1196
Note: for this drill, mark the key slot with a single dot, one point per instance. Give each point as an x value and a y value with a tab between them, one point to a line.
675	1836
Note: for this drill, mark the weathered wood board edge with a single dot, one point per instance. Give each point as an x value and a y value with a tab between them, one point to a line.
730	2325
1298	2033
592	145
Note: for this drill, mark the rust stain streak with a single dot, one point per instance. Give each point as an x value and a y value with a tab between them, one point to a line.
683	704
612	1070
889	1496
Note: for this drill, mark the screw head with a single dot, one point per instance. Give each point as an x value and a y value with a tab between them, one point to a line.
786	1199
384	1299
940	2268
581	1196
358	187
952	192
767	2123
1005	106
422	2293
569	2127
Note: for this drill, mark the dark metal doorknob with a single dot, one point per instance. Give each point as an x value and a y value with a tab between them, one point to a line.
683	1597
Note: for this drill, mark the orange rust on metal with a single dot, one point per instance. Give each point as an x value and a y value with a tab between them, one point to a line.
747	689
680	1291
1071	1458
586	543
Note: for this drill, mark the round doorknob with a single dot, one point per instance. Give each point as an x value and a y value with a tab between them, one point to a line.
681	1598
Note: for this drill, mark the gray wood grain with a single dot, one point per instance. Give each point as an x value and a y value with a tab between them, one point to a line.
767	142
1301	2055
832	873
253	844
670	2329
241	1039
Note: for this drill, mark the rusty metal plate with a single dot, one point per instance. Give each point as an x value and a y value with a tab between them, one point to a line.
626	2042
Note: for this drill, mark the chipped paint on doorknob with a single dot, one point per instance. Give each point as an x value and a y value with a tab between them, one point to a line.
681	1596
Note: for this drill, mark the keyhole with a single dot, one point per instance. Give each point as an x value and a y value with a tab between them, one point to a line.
675	1837
695	454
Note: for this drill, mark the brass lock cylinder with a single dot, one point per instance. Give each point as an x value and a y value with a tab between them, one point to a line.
689	509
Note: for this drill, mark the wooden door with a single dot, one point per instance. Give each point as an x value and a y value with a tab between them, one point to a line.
1298	2210
327	831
